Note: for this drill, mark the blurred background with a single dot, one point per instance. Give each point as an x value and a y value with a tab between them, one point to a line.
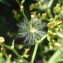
10	17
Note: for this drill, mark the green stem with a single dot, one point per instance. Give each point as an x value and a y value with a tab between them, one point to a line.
50	3
49	13
43	38
25	16
5	2
56	56
49	10
16	53
34	53
36	47
1	59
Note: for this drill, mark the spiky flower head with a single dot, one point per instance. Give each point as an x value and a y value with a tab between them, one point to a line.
32	31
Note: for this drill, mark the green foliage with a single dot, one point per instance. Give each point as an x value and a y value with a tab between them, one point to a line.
41	33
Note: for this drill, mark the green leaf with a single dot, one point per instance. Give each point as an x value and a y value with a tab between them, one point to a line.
60	34
55	57
5	2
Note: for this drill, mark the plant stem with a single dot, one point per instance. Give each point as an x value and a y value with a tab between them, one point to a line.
34	53
36	47
49	13
49	10
16	53
43	38
1	59
24	15
50	3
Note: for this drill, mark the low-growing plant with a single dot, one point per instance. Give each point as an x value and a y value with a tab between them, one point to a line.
45	26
